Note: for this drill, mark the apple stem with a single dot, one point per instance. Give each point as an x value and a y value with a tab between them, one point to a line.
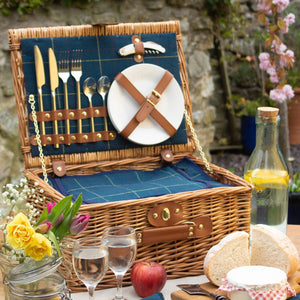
119	294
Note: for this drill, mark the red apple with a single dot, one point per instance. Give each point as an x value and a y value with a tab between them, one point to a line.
148	278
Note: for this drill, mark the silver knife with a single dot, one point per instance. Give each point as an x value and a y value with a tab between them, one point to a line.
40	80
54	82
195	289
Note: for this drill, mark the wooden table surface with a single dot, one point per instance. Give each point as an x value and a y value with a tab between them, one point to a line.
293	232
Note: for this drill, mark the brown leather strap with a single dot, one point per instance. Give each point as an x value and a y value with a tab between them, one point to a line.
154	97
197	228
73	138
70	114
139	48
167	156
165	214
59	167
148	104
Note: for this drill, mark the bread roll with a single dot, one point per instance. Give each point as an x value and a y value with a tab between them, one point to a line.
231	252
272	248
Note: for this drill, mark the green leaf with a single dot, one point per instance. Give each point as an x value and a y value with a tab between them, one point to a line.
63	229
43	217
53	239
76	205
59	208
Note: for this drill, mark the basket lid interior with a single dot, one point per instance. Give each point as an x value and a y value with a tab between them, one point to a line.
97	60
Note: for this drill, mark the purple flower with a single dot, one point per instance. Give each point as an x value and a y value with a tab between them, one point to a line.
49	208
43	227
79	223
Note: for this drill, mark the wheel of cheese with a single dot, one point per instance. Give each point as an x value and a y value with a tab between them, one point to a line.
271	247
231	252
260	282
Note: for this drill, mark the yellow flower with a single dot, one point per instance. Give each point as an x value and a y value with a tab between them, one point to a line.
19	231
38	247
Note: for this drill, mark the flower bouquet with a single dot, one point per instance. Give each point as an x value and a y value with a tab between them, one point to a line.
29	236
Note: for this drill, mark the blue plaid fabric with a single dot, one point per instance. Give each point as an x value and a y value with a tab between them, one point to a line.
112	186
99	57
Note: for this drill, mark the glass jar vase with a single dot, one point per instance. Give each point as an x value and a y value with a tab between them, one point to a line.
52	287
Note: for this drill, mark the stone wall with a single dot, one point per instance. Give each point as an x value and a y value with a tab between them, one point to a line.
197	41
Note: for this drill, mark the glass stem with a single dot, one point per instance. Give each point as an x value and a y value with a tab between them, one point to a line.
119	294
91	290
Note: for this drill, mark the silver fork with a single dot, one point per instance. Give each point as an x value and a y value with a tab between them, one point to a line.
64	74
76	72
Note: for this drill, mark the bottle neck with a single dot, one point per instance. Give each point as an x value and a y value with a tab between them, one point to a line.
266	133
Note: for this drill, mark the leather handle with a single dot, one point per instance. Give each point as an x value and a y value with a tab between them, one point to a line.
196	228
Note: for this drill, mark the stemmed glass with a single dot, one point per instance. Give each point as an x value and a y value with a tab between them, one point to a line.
90	258
121	245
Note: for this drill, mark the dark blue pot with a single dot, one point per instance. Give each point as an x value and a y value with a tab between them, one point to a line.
248	133
294	208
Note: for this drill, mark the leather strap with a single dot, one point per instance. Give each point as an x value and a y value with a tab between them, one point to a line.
139	48
197	228
70	114
59	167
165	214
167	156
147	104
73	138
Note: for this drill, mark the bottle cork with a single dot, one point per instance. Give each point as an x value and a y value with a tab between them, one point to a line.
268	114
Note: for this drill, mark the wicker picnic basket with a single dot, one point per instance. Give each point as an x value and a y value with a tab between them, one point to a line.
203	216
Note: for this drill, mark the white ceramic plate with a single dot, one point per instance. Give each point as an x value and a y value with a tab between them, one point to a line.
122	107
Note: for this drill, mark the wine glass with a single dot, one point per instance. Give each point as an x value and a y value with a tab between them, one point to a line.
90	258
121	245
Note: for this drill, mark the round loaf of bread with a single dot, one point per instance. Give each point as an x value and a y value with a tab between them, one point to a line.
231	252
272	248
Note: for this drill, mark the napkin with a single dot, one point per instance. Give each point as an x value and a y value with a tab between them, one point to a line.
156	296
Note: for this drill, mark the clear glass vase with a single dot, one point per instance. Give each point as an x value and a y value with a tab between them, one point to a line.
7	262
66	266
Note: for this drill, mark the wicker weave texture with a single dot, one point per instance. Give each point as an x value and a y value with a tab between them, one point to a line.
229	209
15	36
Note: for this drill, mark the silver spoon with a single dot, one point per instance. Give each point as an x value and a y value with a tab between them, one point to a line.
103	86
89	89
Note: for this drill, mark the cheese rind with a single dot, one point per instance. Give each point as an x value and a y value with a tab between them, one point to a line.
257	278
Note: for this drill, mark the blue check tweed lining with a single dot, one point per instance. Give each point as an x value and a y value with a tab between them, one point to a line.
99	57
112	186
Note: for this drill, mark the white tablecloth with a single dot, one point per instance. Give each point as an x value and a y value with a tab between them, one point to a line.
130	294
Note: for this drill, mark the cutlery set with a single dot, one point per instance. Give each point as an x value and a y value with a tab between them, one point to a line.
64	69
